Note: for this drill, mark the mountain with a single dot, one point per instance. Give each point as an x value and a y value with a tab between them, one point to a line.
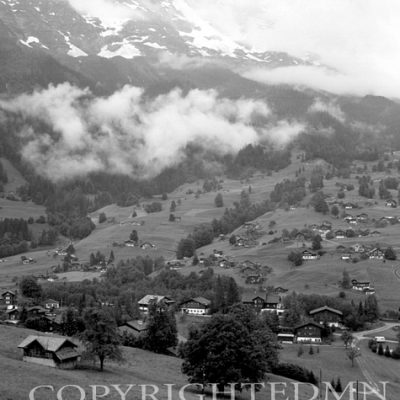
49	41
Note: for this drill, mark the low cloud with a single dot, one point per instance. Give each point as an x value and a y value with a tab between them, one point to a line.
329	107
110	12
130	134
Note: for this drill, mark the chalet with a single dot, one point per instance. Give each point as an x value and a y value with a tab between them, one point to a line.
327	315
196	306
280	290
224	263
346	257
350	219
8	298
130	243
309	332
254	279
254	300
35	311
375	233
309	255
136	328
349	206
13	314
369	291
287	338
340	234
218	253
150	299
363	217
248	267
50	351
175	264
391	203
51	304
273	303
360	286
147	246
376	254
358	248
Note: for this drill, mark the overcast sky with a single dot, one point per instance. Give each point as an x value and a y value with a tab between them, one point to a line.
358	39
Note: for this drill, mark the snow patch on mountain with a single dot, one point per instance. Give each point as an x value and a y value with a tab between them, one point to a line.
123	49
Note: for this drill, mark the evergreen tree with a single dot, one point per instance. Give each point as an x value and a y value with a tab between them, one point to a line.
338	386
161	329
219	201
232	293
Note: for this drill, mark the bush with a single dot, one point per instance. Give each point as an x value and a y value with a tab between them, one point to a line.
295	372
396	353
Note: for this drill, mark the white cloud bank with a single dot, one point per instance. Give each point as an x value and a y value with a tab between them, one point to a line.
357	38
127	133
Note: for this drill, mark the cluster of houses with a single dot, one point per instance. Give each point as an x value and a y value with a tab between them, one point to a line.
132	243
49	311
312	330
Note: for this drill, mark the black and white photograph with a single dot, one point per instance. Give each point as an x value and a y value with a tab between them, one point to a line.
199	199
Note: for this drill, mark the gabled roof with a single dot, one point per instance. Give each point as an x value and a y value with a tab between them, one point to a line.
326	308
149	298
313	323
48	343
37	308
273	299
249	297
51	301
8	291
201	300
137	325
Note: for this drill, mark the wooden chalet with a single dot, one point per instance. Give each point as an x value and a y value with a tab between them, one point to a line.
136	328
50	351
309	332
327	315
257	301
376	254
8	298
309	255
149	299
196	306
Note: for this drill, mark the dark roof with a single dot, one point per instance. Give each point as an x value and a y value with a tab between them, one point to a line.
48	343
66	354
273	298
326	308
308	323
8	291
201	300
249	297
137	325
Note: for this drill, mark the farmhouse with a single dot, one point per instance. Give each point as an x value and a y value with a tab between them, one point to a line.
360	286
254	279
273	303
309	255
327	315
391	203
50	351
8	298
51	304
340	234
135	328
13	314
149	299
196	306
309	332
147	246
254	300
376	254
363	217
